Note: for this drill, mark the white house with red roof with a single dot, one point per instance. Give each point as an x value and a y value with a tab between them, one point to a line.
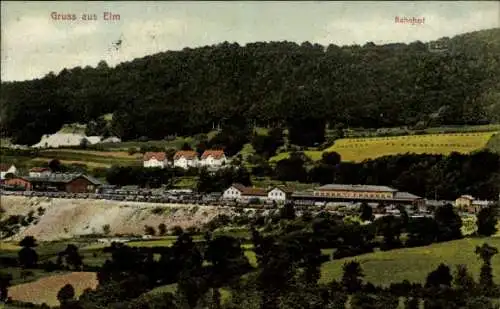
213	158
39	172
186	159
155	159
7	169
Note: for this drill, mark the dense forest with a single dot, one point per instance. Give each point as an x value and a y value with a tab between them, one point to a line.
269	84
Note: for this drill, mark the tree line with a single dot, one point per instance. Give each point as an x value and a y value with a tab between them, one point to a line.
303	87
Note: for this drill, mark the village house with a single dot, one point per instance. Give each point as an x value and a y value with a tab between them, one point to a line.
18	183
71	183
155	159
7	169
186	159
279	194
213	158
39	172
240	192
470	204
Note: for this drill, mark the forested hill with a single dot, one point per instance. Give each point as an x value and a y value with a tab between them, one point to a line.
186	92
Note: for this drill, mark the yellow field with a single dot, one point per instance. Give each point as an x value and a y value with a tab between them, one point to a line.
45	289
117	154
8	246
359	149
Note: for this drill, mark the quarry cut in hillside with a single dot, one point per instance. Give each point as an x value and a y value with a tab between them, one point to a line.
67	218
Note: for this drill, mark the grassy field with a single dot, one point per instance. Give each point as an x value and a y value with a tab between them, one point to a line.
414	264
359	149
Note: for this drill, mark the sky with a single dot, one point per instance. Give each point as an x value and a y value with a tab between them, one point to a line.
34	41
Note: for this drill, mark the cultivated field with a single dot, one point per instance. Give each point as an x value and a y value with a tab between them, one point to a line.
45	290
359	149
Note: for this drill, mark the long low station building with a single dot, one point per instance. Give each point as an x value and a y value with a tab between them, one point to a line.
357	193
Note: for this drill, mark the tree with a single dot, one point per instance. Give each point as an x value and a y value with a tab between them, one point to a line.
149	230
351	277
162	229
366	212
106	229
5	280
463	280
55	165
330	158
449	223
288	211
486	253
66	294
487	219
71	256
84	143
441	276
27	256
186	146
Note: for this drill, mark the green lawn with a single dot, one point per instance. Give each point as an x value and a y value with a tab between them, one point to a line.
414	264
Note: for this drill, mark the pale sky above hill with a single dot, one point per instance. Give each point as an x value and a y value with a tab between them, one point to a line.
33	43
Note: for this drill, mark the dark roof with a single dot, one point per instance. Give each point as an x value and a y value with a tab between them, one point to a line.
62	178
364	188
284	189
249	191
406	196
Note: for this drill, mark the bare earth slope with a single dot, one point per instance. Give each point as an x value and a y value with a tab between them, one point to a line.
66	218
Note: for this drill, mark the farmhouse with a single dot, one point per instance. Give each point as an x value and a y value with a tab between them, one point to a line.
279	194
186	159
39	172
72	183
358	193
469	204
7	169
213	158
18	183
241	192
155	159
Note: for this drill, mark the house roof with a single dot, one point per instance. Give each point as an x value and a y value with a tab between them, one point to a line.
62	178
5	167
406	196
187	154
362	188
469	197
249	191
39	169
160	156
284	189
216	154
17	177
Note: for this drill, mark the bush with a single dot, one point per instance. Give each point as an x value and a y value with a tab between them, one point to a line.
177	230
149	230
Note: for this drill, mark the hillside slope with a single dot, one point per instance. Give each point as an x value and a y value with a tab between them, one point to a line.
266	83
66	218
